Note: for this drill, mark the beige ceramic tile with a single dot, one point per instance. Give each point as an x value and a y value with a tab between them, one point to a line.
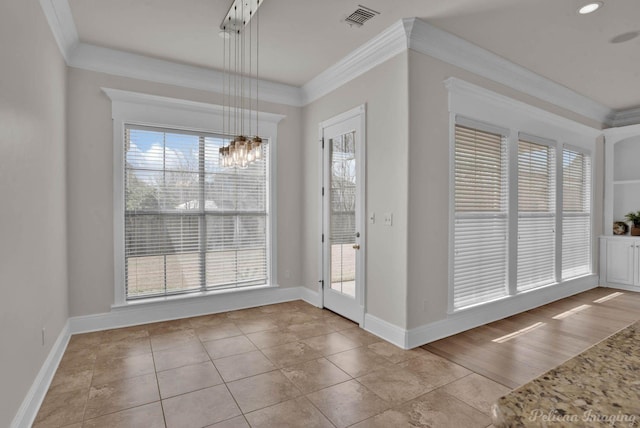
135	332
243	365
124	348
291	354
237	422
109	370
435	409
208	320
255	325
180	356
395	385
339	323
80	341
263	390
477	391
360	336
78	360
160	342
395	354
297	413
168	326
245	314
230	346
359	361
148	416
330	343
121	395
347	403
270	338
187	379
434	370
200	408
314	375
286	319
219	331
310	329
71	381
61	409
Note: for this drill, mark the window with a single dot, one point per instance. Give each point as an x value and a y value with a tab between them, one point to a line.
480	231
576	213
190	225
536	214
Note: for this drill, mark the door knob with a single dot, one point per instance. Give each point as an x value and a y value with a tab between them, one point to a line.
356	246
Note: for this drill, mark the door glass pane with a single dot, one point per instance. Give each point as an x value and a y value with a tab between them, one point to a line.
343	213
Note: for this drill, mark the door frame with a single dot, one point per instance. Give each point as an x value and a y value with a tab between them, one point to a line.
358	112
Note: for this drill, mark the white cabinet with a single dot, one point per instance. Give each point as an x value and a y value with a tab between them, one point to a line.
620	262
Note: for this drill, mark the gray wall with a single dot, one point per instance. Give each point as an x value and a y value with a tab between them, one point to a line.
384	91
33	235
90	185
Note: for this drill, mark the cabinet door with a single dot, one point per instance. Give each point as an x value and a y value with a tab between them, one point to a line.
620	262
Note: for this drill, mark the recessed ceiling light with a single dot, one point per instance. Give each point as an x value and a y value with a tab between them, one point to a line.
589	8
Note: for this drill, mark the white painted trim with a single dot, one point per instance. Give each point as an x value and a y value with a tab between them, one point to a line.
182	308
408	33
627	117
478	103
33	400
429	40
385	330
311	297
625	287
467	319
341	123
60	19
144	109
379	49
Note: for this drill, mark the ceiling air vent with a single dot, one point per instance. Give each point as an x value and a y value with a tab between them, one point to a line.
361	15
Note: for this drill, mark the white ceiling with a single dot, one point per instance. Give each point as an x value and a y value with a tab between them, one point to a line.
301	38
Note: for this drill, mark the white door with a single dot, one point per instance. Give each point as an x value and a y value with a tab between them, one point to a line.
343	214
620	261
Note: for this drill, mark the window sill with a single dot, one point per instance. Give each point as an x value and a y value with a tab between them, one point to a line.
187	298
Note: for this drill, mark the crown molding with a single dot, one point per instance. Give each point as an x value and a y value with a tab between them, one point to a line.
119	63
382	47
408	33
627	117
474	96
120	96
432	41
60	19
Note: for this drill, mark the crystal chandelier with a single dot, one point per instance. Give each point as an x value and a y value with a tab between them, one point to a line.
237	30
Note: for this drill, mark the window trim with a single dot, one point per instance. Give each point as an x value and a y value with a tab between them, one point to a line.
150	110
491	110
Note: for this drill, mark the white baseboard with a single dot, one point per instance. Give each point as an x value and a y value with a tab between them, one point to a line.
31	404
622	287
475	317
312	297
144	313
385	330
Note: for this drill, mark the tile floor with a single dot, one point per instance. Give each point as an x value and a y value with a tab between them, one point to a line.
284	365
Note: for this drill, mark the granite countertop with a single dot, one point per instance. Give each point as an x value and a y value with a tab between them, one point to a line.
600	387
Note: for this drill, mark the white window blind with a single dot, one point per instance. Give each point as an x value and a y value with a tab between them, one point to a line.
536	215
576	214
480	232
191	225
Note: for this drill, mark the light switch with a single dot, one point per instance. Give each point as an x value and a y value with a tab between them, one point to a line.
388	219
372	217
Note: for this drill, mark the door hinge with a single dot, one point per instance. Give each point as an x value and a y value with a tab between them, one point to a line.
323	237
323	191
322	141
322	282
